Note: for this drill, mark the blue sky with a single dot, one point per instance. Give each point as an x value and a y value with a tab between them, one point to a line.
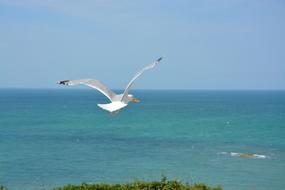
223	44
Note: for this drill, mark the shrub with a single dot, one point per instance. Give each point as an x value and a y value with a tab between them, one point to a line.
163	184
2	187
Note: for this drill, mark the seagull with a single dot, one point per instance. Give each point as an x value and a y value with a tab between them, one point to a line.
118	101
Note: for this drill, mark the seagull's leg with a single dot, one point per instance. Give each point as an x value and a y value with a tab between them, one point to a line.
114	113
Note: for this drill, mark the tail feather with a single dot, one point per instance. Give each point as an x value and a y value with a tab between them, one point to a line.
112	107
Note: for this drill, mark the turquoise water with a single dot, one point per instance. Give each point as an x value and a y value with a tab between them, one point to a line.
53	137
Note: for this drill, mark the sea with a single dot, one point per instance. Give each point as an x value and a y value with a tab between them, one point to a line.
53	137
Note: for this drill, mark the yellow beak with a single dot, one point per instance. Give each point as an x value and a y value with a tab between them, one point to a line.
135	100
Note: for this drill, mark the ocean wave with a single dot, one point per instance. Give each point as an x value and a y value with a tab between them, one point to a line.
244	155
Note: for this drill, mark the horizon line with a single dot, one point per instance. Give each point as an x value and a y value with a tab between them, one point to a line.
150	89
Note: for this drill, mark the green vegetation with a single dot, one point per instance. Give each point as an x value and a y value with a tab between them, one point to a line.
2	187
163	184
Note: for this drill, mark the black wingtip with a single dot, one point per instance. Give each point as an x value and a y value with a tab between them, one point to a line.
63	82
159	59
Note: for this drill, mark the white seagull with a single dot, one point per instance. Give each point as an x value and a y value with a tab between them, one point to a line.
118	101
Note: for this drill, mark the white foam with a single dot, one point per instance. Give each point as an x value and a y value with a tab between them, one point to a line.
244	155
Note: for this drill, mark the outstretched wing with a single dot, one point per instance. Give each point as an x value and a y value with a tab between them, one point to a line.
139	74
93	84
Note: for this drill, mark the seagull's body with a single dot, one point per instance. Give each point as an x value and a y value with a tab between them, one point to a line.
118	101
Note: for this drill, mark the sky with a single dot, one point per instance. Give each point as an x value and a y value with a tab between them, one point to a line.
206	44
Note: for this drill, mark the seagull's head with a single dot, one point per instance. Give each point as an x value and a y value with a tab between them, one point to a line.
133	99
